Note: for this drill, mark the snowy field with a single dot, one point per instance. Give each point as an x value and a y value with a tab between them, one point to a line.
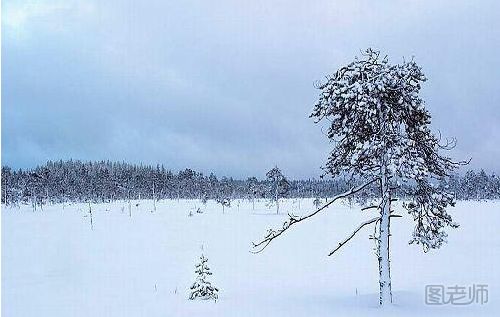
54	265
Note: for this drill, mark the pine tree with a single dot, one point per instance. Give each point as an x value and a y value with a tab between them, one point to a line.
469	185
202	288
224	193
252	190
380	131
6	185
278	186
104	181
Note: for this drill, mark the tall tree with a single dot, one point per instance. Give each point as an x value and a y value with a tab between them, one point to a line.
252	190
278	186
6	184
224	193
380	131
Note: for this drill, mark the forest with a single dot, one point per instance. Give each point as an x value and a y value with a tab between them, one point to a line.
105	181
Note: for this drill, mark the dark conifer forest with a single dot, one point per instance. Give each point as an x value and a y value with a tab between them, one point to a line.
104	181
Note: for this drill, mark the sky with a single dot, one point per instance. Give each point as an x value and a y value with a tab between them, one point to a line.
227	86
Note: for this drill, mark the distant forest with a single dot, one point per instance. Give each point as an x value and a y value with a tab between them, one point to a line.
104	181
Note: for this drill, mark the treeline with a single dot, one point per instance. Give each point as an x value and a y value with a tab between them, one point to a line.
474	185
104	181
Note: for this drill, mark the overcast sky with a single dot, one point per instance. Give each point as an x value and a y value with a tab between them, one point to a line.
227	86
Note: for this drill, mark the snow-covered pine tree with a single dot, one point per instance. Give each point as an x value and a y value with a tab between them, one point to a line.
224	193
469	185
75	181
278	186
6	179
252	190
202	288
380	131
483	185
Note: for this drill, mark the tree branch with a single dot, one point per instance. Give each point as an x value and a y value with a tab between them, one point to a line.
370	207
342	243
292	220
367	222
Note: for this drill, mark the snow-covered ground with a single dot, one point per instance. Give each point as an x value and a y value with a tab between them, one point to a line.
53	264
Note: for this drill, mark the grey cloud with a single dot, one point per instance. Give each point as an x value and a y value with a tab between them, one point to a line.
227	86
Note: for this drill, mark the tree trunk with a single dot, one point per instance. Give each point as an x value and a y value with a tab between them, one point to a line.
277	201
154	198
91	219
383	243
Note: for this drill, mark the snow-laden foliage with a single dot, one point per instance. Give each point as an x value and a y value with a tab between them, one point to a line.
278	186
224	193
381	139
374	110
380	128
74	181
202	288
428	209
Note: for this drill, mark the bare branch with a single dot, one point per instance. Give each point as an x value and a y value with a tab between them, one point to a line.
370	207
341	244
367	222
273	234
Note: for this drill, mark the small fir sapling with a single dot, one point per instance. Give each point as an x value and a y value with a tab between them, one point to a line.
202	288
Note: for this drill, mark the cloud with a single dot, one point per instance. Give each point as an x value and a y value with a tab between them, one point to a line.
22	17
16	16
227	86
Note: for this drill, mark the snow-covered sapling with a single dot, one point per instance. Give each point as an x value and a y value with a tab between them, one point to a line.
380	131
202	288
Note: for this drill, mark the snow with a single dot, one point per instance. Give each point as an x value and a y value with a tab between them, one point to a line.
53	264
